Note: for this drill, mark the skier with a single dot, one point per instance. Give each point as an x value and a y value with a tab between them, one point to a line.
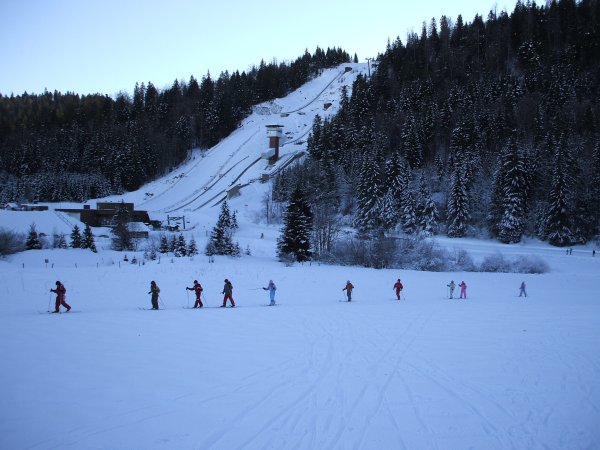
522	288
197	288
463	289
60	292
228	291
451	287
271	288
398	286
154	290
348	290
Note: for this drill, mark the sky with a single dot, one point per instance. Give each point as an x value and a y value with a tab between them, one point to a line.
107	46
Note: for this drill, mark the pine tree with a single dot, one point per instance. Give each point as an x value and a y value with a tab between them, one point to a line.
88	239
458	206
192	249
181	247
426	211
60	241
76	241
512	223
595	188
221	242
558	225
173	244
388	211
369	192
122	239
408	217
33	240
164	244
297	228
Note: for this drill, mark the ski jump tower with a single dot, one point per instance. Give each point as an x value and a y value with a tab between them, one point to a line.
274	133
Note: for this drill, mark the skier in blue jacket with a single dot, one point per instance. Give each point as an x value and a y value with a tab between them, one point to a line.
271	288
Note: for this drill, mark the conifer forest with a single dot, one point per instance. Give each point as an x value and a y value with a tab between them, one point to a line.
489	128
483	128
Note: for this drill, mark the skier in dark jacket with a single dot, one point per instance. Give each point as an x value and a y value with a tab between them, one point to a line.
197	288
522	290
154	290
398	286
60	292
228	291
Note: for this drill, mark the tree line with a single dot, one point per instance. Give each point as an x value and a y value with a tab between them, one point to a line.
64	146
488	128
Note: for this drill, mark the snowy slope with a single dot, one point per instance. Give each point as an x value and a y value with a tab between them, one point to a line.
494	371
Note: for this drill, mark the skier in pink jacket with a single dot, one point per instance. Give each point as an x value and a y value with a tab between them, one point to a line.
463	289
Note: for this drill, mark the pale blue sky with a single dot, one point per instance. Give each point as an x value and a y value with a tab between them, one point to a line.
106	46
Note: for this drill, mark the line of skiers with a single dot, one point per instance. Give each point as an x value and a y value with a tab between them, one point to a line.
227	292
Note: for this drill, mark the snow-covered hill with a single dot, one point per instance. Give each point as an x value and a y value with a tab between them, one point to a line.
494	371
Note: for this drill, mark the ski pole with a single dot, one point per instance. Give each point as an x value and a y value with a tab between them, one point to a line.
49	300
188	297
161	302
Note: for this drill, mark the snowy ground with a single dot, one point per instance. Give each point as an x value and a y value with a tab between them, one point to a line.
495	371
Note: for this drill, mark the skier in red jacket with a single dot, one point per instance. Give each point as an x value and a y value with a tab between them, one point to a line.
197	288
398	286
60	292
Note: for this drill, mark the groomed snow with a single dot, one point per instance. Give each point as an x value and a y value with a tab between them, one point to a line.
494	371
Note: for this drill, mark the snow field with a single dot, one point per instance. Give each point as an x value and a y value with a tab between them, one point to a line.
494	371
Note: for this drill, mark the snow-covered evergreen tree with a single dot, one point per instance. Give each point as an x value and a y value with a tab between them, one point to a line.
458	206
297	228
514	196
192	249
221	242
33	240
60	241
88	239
389	213
369	192
558	224
408	217
181	246
122	239
426	210
164	244
76	241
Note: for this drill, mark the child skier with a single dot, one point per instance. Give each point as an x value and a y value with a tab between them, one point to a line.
197	288
463	289
451	287
228	291
154	290
60	292
522	289
348	290
271	288
398	286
